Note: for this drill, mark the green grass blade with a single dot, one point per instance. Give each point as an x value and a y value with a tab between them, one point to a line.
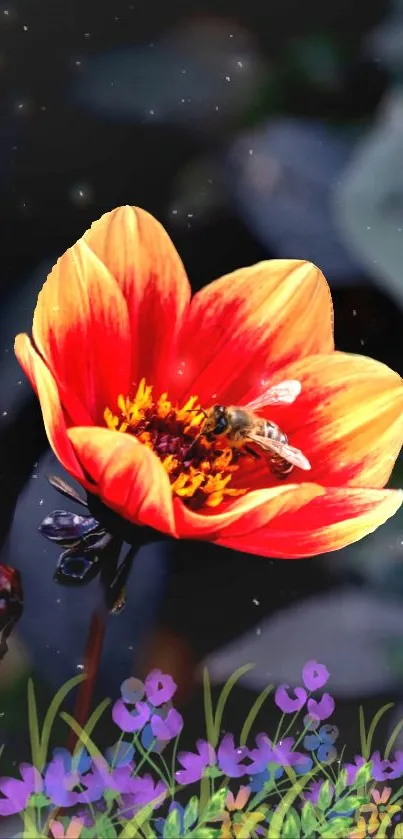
378	716
208	708
93	720
34	727
392	739
223	698
53	710
82	736
363	734
250	719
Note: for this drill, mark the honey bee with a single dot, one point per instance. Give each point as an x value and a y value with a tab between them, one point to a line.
240	425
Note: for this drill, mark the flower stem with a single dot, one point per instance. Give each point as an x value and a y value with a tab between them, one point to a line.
92	658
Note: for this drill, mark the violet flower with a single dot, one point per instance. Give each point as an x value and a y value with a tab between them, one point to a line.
322	709
230	758
16	793
195	765
286	703
385	770
169	728
143	790
314	675
159	688
130	720
60	785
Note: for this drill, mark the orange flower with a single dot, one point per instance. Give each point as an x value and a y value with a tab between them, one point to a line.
73	831
120	356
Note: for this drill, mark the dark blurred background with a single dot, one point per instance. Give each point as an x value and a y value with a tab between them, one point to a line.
251	130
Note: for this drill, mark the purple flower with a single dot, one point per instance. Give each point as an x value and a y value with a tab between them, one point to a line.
169	728
352	769
80	763
314	675
17	793
194	765
283	752
159	687
229	758
142	791
286	703
323	709
385	770
128	720
59	784
322	743
102	777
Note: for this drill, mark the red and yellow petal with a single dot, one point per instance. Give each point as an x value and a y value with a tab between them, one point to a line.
348	419
249	324
128	476
143	260
45	387
81	328
331	519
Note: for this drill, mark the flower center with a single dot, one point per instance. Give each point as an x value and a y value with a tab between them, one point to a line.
199	471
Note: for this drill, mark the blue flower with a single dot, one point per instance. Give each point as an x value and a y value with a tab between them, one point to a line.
80	763
321	742
273	772
121	754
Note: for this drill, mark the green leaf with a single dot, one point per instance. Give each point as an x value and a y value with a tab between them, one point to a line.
212	772
191	812
336	829
292	825
222	699
206	833
172	825
398	834
309	820
363	775
347	804
39	800
341	783
250	719
216	806
325	796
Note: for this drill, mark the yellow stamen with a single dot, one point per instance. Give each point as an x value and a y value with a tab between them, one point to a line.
199	471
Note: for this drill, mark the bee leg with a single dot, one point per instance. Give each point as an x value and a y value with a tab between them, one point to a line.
251	452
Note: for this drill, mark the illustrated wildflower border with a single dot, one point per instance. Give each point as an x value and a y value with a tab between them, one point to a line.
145	786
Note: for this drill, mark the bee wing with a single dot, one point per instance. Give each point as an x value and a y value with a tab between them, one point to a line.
282	394
65	489
289	453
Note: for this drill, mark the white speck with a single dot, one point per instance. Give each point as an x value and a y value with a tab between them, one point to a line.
130	648
214	396
34	477
174	212
41	501
87	34
368	227
19	382
230	36
4	414
78	63
258	632
250	151
183	71
58	600
182	101
6	12
25	28
240	63
354	313
80	667
190	215
362	342
228	78
151	113
255	602
216	108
